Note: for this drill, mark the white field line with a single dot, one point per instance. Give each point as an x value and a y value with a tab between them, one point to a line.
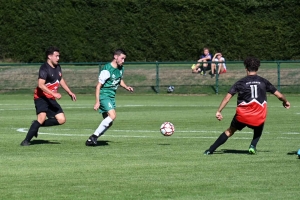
24	130
143	131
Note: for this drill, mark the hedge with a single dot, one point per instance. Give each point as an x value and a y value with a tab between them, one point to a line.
149	30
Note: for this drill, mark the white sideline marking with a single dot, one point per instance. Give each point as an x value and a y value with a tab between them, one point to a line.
291	133
288	138
144	131
24	130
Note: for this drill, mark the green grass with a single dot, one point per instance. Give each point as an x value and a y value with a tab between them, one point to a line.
134	161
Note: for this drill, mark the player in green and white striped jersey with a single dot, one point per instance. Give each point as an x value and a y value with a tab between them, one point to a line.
110	77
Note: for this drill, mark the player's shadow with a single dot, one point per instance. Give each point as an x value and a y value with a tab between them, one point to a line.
36	142
163	144
292	153
235	151
103	143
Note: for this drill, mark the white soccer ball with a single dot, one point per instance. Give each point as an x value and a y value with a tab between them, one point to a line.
170	89
167	129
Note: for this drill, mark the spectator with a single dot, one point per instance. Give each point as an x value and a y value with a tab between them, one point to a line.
221	64
202	62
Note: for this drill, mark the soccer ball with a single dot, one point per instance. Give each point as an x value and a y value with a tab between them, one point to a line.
167	129
170	89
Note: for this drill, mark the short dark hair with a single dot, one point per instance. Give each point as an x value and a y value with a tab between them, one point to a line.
51	50
119	52
252	64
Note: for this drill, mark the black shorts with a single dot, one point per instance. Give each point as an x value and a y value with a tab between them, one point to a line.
239	125
49	106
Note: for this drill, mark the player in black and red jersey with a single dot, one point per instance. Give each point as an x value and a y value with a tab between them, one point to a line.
251	108
45	95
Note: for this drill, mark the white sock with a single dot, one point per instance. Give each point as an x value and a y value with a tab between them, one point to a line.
104	125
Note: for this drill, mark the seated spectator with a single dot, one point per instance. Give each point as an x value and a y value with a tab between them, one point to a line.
202	62
221	64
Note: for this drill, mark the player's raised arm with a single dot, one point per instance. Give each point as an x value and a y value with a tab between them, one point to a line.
282	98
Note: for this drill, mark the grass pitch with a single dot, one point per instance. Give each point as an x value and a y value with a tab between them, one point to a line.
134	161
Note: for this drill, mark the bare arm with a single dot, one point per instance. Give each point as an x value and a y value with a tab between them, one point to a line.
222	105
42	86
123	85
215	56
67	89
97	95
213	59
282	98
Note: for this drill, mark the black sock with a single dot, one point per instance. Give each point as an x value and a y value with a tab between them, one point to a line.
50	122
32	130
256	136
221	140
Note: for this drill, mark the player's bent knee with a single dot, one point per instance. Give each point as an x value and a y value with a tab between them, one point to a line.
61	119
41	117
112	115
230	131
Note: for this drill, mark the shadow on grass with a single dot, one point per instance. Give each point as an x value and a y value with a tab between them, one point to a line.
163	144
292	153
234	151
102	143
35	142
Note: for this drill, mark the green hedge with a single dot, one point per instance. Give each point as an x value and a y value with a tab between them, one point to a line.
149	30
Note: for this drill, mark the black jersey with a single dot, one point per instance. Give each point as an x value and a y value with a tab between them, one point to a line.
252	99
52	76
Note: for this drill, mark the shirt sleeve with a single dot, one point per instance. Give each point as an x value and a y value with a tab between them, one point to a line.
270	88
234	89
104	75
43	73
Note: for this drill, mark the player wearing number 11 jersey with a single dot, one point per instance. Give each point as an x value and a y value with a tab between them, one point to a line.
251	108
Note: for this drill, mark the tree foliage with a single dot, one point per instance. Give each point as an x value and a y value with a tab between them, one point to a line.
169	30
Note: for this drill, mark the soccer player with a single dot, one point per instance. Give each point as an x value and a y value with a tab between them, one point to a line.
110	77
45	95
251	108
